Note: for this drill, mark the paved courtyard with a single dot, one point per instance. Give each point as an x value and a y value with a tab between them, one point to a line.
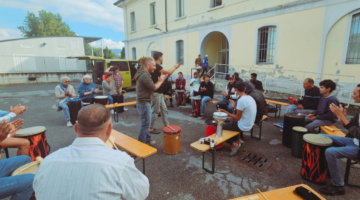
180	176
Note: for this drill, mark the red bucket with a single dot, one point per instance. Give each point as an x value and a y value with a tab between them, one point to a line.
210	128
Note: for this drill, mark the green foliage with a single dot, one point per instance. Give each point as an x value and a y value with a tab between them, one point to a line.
46	24
108	54
122	53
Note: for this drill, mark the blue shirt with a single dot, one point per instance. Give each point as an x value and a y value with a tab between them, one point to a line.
205	62
83	87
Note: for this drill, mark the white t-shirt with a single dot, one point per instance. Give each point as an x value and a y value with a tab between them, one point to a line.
248	105
196	84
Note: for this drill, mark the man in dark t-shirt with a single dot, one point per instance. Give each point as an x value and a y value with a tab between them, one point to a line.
158	104
258	84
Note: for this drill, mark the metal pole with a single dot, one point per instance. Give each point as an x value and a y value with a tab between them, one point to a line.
102	49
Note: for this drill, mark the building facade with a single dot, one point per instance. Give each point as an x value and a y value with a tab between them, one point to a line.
291	39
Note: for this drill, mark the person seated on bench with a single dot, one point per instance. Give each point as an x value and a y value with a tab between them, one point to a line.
12	113
88	169
168	91
108	86
87	90
19	186
180	85
323	116
259	98
206	90
228	94
237	78
347	147
64	92
258	84
194	84
308	104
244	118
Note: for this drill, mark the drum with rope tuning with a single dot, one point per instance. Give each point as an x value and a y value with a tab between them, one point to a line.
172	139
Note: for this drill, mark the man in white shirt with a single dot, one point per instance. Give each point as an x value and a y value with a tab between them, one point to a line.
346	147
244	118
88	169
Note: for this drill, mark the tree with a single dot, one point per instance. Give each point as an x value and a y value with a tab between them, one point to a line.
47	24
123	53
108	54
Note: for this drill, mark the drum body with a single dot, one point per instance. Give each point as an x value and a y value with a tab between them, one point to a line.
197	104
38	142
291	120
181	100
314	166
74	108
297	141
101	100
172	139
210	128
118	98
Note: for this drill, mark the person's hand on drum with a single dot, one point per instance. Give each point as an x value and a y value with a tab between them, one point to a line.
312	117
300	107
15	126
5	129
19	109
222	110
338	111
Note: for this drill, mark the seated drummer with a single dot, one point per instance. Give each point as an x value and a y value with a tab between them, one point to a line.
88	169
109	88
19	186
308	104
206	90
259	98
228	94
167	90
323	116
244	118
64	92
180	83
347	147
87	89
194	84
12	113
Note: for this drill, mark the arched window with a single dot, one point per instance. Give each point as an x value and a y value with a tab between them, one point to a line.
180	51
353	51
266	45
133	52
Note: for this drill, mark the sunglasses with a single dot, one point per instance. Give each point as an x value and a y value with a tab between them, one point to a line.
67	81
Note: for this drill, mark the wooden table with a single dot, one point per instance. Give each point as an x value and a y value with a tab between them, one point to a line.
336	132
205	147
116	116
133	146
278	105
282	194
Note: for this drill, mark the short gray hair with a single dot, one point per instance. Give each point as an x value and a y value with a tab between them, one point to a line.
63	78
92	119
84	77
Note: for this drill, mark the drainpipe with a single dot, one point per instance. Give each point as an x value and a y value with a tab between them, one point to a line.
166	16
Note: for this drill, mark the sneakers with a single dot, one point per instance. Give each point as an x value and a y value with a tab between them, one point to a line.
154	131
233	151
69	124
151	143
333	190
111	111
280	124
201	116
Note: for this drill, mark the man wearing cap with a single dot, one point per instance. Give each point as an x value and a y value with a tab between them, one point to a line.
205	64
228	94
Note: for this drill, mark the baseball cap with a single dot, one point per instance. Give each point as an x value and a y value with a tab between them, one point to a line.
206	55
231	77
196	73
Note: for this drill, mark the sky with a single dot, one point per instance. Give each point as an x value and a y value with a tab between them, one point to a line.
96	18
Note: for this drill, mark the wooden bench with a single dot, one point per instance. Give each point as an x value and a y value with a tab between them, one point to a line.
115	105
211	101
286	193
260	126
278	105
205	147
133	146
337	132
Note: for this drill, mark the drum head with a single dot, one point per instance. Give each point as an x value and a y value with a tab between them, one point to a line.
220	115
300	129
168	130
318	140
30	131
101	97
29	168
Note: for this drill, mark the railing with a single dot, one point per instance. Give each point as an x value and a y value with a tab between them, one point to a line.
32	64
288	81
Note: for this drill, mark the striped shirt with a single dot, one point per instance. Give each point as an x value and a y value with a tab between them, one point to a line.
8	116
88	169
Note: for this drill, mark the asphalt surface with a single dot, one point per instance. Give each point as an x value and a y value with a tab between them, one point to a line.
180	176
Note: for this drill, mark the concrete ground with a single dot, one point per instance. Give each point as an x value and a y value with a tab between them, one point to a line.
180	176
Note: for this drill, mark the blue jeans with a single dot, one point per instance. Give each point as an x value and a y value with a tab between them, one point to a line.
203	103
315	124
19	186
111	100
230	108
65	109
293	109
144	110
347	149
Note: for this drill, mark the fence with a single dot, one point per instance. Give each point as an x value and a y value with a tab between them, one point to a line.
287	81
30	64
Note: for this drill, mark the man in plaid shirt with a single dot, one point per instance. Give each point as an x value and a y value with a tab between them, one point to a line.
118	79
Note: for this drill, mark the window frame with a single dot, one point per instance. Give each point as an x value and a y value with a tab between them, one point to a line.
153	14
347	38
275	37
177	56
213	4
180	9
133	52
132	21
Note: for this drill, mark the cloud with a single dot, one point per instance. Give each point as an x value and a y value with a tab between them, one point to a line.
102	13
7	34
108	43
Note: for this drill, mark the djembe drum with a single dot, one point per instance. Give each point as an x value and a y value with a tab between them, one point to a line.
291	120
314	165
298	133
172	139
38	142
197	103
181	99
118	98
101	100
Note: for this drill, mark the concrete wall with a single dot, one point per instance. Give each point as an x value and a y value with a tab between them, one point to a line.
7	79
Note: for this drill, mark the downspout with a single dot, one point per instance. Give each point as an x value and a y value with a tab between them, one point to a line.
166	29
